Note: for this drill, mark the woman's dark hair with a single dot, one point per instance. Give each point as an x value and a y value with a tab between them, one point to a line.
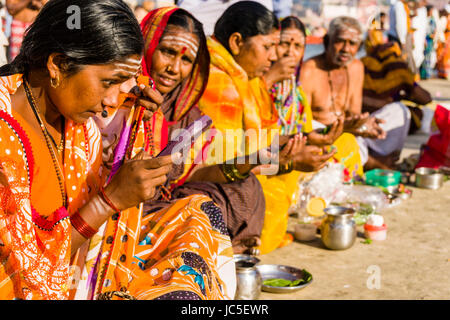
249	18
107	31
293	22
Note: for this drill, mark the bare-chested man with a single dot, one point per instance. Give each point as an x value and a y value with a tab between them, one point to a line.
333	81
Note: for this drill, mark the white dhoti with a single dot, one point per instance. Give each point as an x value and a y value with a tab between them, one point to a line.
397	119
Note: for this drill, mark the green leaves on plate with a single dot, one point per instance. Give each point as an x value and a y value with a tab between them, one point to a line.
279	282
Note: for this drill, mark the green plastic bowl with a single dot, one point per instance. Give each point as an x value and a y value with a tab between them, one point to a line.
383	178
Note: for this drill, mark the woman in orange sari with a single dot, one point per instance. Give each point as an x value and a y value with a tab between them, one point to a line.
52	195
443	52
169	262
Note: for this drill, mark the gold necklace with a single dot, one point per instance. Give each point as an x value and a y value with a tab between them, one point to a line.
48	138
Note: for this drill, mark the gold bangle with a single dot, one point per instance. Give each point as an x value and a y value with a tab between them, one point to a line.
286	168
227	172
232	173
237	174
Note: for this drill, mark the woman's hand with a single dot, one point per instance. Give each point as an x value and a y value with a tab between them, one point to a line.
149	98
306	158
137	179
318	139
281	70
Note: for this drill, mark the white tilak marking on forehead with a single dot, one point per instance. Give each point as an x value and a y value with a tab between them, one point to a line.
189	40
181	40
126	70
133	61
129	73
127	66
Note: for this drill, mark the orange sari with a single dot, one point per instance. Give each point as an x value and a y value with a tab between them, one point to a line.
35	232
180	252
443	53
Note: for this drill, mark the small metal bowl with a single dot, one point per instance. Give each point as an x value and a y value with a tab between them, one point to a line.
429	178
275	271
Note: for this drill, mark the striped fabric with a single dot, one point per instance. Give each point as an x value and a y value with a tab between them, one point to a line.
386	72
18	29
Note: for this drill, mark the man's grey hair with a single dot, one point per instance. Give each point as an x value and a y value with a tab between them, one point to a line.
343	23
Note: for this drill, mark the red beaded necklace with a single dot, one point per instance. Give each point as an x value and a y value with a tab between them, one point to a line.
48	138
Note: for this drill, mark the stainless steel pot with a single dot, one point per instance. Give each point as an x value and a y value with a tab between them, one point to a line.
338	230
429	178
248	278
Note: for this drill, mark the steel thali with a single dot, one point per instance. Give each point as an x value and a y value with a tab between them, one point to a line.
275	271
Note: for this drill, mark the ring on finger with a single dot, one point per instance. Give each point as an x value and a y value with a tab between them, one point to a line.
363	128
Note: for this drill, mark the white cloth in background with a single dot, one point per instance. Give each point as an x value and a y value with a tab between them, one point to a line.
420	23
441	25
282	8
398	22
208	12
397	119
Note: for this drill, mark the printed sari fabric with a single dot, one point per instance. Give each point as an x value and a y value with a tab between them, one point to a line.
35	232
163	249
294	111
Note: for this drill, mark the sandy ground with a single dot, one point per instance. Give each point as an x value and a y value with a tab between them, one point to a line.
412	263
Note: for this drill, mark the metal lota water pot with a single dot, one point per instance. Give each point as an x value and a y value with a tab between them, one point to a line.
338	230
248	278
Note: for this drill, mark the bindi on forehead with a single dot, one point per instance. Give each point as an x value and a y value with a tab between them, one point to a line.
291	35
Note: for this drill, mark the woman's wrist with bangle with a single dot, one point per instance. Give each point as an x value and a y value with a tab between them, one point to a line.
287	168
106	199
82	227
89	218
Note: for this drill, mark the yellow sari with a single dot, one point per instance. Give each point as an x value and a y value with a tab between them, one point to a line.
280	191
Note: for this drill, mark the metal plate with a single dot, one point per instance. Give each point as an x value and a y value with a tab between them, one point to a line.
275	271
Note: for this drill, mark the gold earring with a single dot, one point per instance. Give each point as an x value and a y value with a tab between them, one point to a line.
54	82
